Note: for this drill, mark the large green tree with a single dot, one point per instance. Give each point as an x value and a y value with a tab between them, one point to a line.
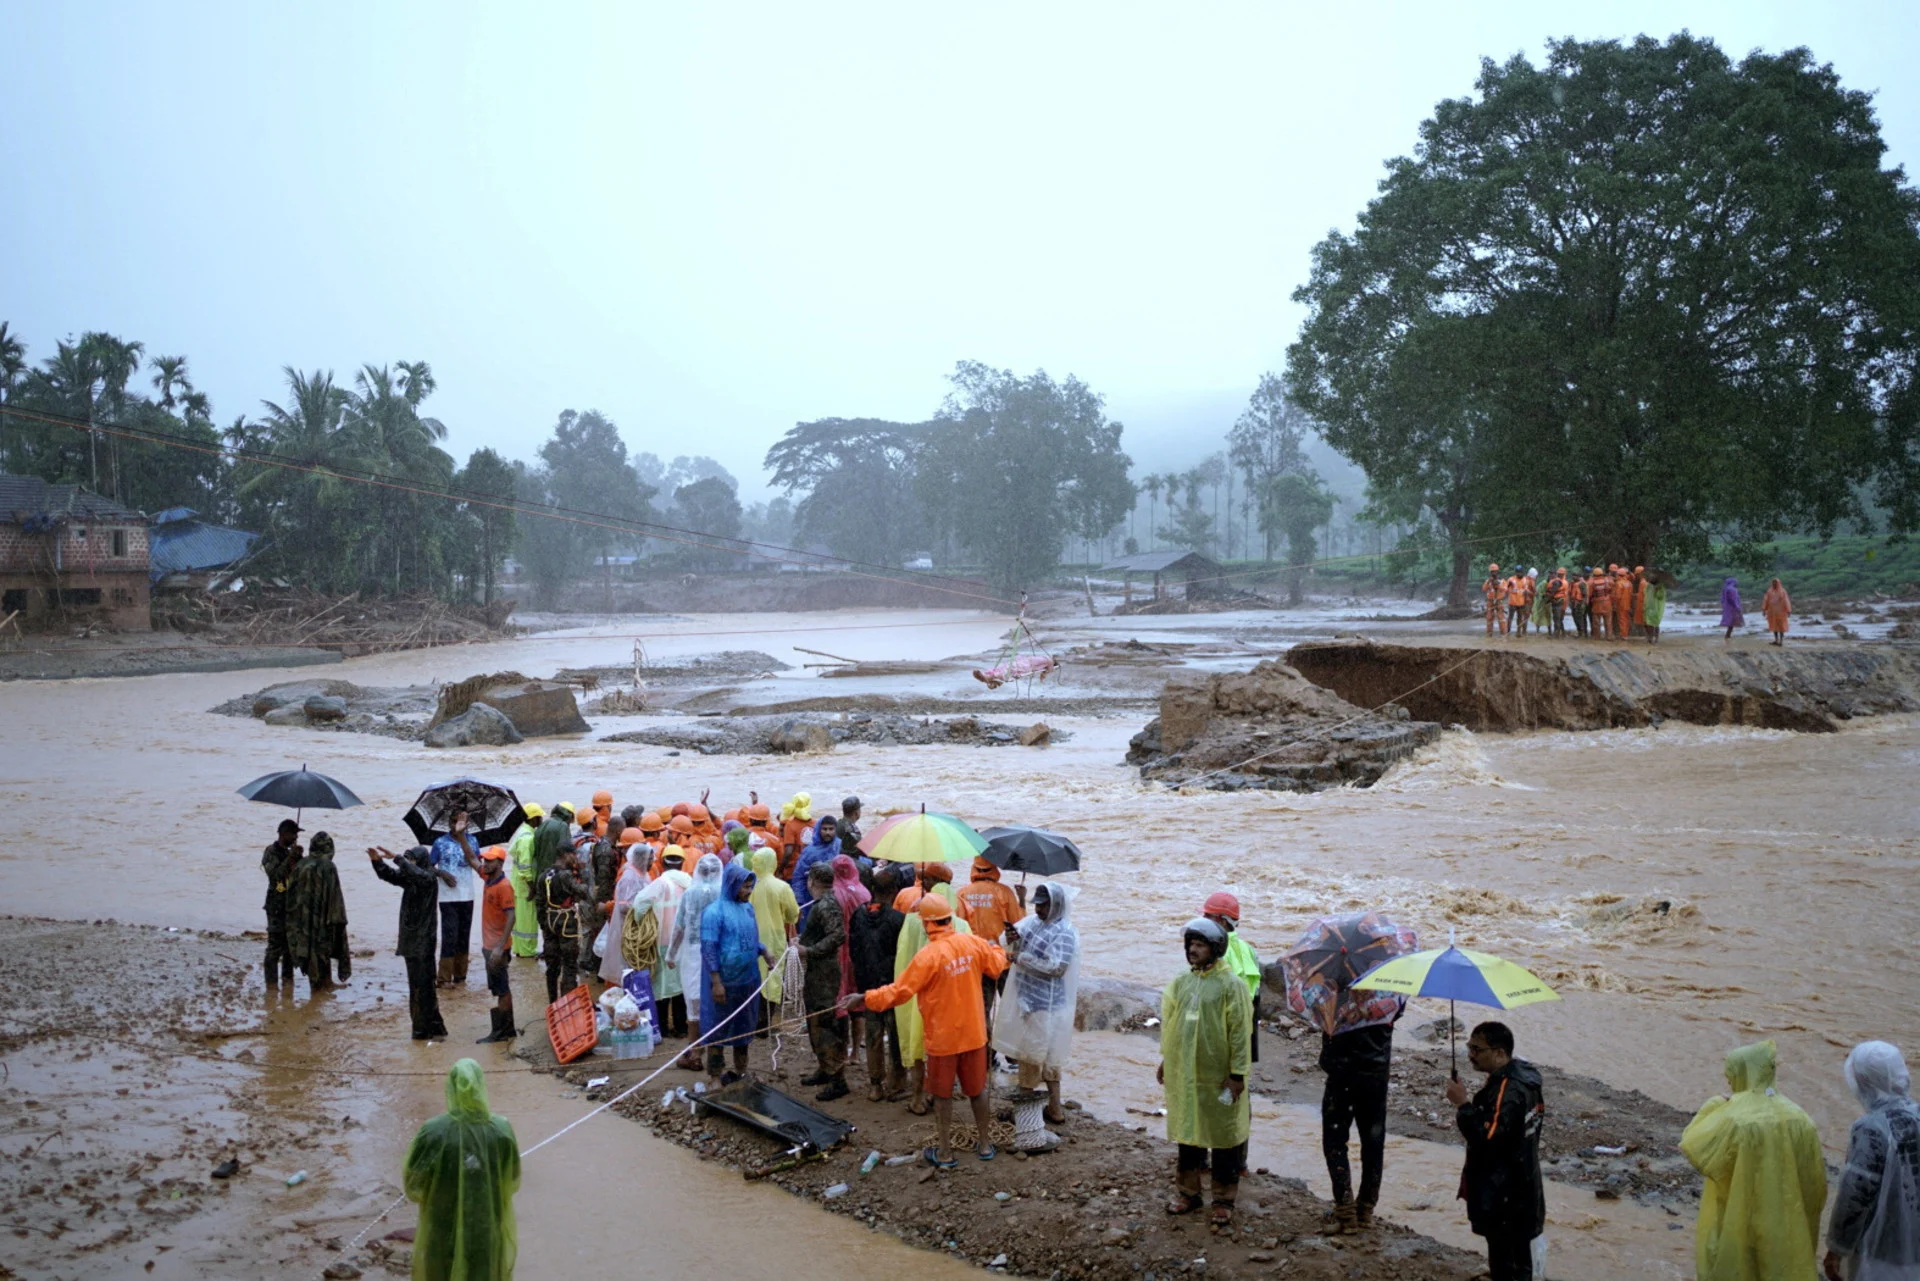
588	470
858	478
1014	465
1638	298
488	484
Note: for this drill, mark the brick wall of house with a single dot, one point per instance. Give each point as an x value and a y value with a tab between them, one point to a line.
82	547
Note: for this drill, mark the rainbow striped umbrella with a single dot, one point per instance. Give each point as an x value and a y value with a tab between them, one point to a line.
1458	975
923	838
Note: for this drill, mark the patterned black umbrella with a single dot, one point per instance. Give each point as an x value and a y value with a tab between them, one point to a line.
300	789
495	811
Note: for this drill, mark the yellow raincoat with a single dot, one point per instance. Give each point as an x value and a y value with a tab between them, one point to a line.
1766	1180
774	909
520	874
1206	1035
1244	961
906	1016
462	1170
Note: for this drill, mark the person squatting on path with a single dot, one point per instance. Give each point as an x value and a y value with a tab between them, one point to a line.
945	978
1766	1180
317	916
1206	1018
462	1170
1035	1026
1874	1232
1506	1200
1357	1064
277	861
419	922
731	954
822	941
496	943
451	854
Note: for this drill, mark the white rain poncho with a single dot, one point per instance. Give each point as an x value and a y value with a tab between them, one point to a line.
1876	1211
633	879
1033	1025
685	945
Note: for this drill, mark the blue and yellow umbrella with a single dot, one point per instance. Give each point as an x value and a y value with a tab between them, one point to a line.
1458	975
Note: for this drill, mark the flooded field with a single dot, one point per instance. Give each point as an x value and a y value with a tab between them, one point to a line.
1686	888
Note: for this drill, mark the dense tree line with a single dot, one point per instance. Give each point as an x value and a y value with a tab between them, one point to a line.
1631	302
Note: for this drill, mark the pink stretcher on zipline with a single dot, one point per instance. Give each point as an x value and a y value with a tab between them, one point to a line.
1036	666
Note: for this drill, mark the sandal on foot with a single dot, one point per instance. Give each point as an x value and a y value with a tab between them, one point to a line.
988	1152
1181	1203
932	1157
1221	1216
1054	1115
919	1107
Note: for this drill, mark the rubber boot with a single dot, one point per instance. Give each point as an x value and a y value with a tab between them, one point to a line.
1345	1217
553	984
286	971
460	964
502	1027
443	977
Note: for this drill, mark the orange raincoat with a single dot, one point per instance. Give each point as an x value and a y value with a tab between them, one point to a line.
987	905
946	975
1777	606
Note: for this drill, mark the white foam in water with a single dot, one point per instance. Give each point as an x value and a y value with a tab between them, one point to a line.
1455	760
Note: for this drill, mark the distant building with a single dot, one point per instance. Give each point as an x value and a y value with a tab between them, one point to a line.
188	551
1198	576
62	548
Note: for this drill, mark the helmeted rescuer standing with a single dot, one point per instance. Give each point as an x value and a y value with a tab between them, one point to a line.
1206	1021
462	1170
1766	1180
277	862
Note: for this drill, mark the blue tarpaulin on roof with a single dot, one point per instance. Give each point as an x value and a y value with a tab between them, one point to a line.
182	546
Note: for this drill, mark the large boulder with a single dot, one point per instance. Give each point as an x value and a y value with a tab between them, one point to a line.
536	708
324	707
293	715
1106	1005
795	737
479	726
296	694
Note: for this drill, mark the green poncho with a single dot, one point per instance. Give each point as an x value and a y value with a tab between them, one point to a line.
1766	1180
462	1169
1244	961
1206	1035
520	874
315	905
547	840
1656	606
906	1015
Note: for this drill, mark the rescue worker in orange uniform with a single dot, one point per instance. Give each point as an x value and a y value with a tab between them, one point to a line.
1640	598
1622	603
1600	603
1557	600
1577	602
1493	592
1517	589
989	908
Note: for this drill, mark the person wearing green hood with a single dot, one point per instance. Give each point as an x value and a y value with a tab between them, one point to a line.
520	874
462	1170
1766	1180
317	916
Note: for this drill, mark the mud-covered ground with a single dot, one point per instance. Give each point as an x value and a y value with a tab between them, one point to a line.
1093	1208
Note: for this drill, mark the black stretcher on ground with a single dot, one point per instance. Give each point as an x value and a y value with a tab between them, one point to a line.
780	1115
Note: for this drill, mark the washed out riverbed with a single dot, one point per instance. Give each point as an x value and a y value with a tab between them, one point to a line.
1767	848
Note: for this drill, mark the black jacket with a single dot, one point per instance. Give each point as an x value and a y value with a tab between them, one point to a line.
278	863
873	935
1501	1124
419	897
1365	1051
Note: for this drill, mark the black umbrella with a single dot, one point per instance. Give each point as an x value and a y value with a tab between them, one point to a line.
496	811
300	789
1030	849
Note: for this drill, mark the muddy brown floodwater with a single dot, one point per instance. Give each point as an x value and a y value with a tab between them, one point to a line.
1774	854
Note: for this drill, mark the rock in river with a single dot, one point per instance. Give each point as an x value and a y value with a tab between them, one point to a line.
478	726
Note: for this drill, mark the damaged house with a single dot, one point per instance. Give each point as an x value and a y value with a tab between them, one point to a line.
63	549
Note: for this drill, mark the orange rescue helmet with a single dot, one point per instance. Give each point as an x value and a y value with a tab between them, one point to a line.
932	908
603	799
1221	903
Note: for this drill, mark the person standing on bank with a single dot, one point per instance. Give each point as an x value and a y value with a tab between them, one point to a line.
496	943
456	855
1206	1048
277	862
1506	1200
317	916
1357	1064
419	919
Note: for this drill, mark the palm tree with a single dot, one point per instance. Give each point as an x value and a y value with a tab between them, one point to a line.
169	377
113	363
416	381
1152	485
13	362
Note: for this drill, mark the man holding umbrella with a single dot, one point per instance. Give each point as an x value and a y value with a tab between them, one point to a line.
1506	1200
277	862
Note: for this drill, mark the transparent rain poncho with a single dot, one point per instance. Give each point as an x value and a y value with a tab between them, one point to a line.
684	948
1034	1023
462	1170
1876	1210
1766	1179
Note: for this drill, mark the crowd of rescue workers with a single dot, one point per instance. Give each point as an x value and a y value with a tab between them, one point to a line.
937	985
1611	604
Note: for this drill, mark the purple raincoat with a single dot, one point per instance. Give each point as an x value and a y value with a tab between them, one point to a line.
1730	612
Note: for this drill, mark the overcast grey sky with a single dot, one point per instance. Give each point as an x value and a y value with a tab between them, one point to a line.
711	222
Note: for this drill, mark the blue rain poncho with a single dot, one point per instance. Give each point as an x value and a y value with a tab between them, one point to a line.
730	948
462	1170
1765	1177
1876	1209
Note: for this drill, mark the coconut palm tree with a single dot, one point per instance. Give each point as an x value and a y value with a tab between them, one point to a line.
170	379
13	363
1152	485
